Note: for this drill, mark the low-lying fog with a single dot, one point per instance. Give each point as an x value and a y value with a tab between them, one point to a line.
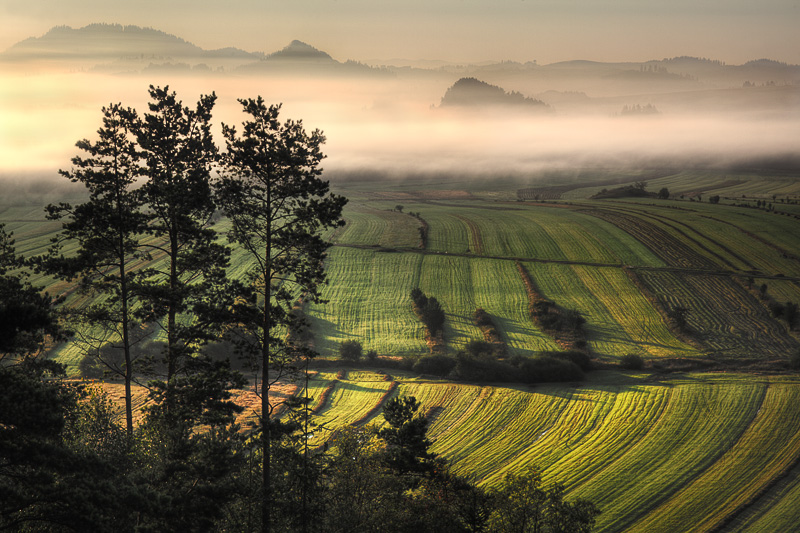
393	124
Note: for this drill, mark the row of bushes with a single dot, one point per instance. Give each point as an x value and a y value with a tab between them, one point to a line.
484	322
550	317
543	368
429	311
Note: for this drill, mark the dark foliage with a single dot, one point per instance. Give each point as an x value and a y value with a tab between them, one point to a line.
437	365
547	369
407	443
350	350
632	361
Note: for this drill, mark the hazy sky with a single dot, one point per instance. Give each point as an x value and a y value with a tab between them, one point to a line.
733	31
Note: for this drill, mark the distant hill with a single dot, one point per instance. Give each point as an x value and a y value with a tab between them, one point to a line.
113	41
299	51
117	48
474	92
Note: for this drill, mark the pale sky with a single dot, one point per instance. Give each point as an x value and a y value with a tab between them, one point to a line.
733	31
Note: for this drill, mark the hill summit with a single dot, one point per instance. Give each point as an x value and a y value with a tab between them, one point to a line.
474	92
300	51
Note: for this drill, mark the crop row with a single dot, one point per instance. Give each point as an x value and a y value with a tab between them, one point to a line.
715	231
670	248
388	228
723	315
619	319
682	454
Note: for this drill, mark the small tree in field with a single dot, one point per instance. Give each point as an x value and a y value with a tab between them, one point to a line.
278	207
350	350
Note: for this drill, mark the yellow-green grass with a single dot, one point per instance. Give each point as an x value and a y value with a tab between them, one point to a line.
723	315
500	291
781	290
775	510
680	454
619	320
739	474
350	400
746	241
635	315
450	280
382	227
369	301
534	232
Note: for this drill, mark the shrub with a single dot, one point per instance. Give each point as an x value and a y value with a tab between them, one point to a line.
776	308
482	318
632	361
480	349
350	350
581	359
437	365
90	367
469	368
547	369
419	298
433	316
372	355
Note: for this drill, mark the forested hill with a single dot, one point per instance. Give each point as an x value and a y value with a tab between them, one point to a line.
474	92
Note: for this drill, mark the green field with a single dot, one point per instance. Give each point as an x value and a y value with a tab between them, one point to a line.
657	451
682	453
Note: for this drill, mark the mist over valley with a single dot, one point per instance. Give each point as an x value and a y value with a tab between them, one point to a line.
394	119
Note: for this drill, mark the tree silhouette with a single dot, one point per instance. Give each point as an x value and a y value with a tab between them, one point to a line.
187	286
106	229
278	206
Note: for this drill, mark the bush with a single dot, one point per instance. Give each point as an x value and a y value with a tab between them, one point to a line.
547	369
419	298
372	355
480	349
437	365
469	368
350	350
581	359
776	308
482	318
632	361
433	316
90	367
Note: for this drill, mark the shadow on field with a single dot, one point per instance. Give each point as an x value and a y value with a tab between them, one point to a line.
603	381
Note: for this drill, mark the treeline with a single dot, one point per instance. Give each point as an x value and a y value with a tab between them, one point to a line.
478	362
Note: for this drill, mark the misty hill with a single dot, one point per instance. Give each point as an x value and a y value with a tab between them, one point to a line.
302	58
113	41
474	92
300	51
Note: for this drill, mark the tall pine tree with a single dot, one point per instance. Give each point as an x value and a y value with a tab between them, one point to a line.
278	206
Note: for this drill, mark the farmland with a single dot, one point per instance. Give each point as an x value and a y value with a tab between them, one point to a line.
655	454
705	438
